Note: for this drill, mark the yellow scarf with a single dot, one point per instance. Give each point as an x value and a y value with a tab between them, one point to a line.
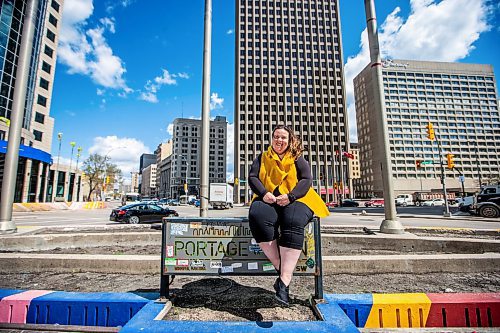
276	172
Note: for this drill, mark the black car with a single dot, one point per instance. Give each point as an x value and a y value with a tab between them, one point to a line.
349	203
140	213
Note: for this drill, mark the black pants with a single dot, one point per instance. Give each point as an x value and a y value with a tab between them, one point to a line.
269	222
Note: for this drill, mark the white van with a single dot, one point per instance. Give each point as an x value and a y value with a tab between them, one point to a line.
404	200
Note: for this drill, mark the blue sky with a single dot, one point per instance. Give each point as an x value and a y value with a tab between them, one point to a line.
126	69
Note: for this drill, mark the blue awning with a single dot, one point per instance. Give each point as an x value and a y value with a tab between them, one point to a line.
28	152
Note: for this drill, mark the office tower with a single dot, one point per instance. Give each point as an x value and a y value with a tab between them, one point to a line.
35	180
460	100
185	161
289	70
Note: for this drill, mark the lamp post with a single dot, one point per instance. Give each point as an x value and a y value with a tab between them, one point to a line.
70	193
390	224
56	175
8	226
78	154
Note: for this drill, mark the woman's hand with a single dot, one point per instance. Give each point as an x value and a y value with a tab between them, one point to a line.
269	198
282	200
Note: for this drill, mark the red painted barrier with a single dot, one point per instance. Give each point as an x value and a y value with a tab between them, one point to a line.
464	310
14	308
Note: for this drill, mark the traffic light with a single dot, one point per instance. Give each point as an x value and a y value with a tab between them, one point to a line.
236	181
107	180
430	132
451	162
418	163
185	187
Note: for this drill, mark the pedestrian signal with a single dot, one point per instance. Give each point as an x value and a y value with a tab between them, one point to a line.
418	163
430	132
451	161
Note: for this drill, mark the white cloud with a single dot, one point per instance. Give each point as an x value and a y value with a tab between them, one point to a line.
100	92
85	50
124	152
152	86
434	31
148	97
170	129
216	101
230	31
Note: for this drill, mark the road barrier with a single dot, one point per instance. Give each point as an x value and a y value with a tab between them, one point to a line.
225	246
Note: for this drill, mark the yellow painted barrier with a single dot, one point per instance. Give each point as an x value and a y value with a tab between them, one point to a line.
399	310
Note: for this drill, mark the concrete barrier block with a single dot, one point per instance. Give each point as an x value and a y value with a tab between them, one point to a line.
464	310
14	307
87	309
356	306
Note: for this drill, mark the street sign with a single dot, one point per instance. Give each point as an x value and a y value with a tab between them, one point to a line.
461	179
426	162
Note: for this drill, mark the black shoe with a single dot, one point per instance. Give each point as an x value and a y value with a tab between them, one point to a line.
282	292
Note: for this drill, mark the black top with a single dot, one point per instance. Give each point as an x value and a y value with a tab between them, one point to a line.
304	177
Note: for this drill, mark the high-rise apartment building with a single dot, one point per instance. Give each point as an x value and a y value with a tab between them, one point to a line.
289	70
460	100
35	179
185	162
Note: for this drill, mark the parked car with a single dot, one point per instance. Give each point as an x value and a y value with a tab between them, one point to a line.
332	204
196	203
349	203
433	202
375	203
141	213
173	202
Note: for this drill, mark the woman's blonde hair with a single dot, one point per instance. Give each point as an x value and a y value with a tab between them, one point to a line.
294	142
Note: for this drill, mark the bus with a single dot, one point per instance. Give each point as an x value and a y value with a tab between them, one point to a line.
129	198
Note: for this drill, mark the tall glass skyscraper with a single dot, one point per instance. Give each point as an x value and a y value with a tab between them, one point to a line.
34	178
289	70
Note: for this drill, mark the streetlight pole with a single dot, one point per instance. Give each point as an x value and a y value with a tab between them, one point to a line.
205	117
78	154
16	120
70	193
56	173
390	224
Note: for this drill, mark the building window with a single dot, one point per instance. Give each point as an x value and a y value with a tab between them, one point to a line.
42	100
44	83
46	67
48	51
55	5
38	135
2	135
39	118
53	20
51	35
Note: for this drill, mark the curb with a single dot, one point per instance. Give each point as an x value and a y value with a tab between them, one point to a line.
150	264
337	312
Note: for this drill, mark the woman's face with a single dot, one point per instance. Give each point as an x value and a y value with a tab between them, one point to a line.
280	141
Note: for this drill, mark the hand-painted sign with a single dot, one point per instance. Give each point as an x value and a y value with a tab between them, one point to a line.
222	246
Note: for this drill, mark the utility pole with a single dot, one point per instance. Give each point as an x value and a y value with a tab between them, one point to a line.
16	121
443	181
390	224
205	114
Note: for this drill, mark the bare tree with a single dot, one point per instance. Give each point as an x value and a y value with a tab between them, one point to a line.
97	168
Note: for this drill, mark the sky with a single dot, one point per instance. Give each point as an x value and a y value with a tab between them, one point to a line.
127	68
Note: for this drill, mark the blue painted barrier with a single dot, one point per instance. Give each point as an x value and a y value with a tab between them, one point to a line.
87	309
145	321
9	292
356	306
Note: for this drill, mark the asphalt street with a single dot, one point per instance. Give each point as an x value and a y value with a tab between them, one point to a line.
409	217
